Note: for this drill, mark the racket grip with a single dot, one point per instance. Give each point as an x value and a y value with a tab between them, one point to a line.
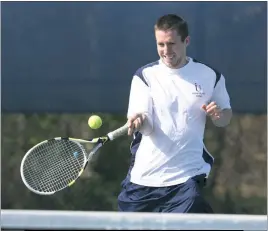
118	132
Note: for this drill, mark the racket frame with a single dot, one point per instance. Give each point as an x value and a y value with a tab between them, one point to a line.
100	141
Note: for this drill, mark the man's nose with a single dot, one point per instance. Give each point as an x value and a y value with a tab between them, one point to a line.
166	49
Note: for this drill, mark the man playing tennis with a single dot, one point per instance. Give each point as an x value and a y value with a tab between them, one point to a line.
168	105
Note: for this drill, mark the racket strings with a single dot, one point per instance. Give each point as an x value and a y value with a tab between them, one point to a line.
53	165
49	177
60	170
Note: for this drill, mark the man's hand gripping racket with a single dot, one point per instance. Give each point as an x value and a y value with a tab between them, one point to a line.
55	164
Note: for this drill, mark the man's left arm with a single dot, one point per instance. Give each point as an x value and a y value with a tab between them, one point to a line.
219	110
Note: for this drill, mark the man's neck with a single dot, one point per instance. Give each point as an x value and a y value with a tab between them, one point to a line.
183	62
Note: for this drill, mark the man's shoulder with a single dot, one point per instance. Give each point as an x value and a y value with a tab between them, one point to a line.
207	67
140	70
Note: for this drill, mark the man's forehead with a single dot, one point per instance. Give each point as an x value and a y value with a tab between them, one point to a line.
164	34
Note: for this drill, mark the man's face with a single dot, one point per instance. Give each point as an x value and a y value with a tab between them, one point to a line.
170	48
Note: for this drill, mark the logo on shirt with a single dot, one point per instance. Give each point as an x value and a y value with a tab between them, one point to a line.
198	90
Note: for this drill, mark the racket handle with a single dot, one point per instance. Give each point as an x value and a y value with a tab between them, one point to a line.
118	132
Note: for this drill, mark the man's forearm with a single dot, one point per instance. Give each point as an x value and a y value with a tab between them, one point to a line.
225	118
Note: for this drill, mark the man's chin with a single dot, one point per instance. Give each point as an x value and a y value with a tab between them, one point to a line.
170	65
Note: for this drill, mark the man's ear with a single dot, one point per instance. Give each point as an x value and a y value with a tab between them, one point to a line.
187	40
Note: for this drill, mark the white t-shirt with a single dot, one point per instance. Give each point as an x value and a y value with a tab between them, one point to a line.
171	149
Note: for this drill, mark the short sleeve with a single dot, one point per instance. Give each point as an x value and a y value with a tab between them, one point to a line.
139	98
220	94
140	101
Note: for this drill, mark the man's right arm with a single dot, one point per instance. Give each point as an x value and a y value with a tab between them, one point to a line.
140	107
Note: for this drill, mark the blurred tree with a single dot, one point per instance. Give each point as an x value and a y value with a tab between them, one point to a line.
237	183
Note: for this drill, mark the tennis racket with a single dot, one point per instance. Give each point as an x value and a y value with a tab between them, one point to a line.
55	164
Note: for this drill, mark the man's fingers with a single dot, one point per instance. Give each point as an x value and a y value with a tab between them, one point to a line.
130	131
135	122
130	126
131	120
211	109
211	104
138	122
134	127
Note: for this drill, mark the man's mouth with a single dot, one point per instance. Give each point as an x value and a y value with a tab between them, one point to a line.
168	57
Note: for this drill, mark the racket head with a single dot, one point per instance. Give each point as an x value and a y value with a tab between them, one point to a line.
53	165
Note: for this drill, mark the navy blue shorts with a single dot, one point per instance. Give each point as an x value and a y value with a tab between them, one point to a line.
181	198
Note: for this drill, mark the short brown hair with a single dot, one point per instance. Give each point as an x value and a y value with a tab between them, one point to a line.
173	22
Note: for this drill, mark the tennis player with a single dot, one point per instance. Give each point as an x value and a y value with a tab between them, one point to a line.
169	102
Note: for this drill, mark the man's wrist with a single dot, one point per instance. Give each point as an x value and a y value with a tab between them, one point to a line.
223	119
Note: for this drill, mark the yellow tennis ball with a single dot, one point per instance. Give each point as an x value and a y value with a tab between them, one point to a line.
94	122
